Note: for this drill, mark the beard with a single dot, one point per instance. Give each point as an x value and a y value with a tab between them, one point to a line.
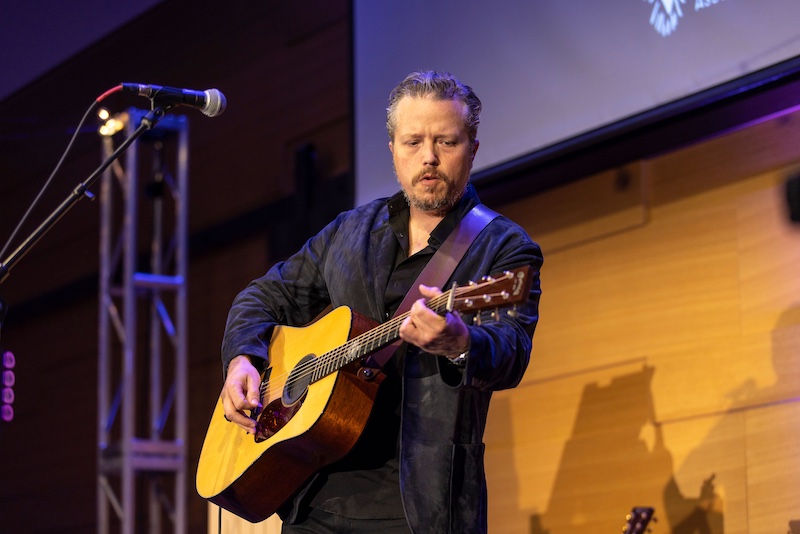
438	198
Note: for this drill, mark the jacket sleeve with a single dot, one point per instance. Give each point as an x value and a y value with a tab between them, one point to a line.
500	342
292	292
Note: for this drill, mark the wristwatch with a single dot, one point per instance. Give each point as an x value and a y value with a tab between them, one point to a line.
461	359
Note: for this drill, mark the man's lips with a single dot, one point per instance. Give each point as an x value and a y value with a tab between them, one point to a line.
428	179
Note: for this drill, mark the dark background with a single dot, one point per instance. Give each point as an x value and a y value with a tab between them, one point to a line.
262	176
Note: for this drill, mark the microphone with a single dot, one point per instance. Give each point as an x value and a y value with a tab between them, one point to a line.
211	102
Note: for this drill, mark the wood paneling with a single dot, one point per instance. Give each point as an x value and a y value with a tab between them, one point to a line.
598	206
665	366
231	524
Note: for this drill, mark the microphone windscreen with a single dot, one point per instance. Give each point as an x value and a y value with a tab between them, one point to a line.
215	103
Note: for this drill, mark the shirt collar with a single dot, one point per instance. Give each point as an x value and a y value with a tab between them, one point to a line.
398	207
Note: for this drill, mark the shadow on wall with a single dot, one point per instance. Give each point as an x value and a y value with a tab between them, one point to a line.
610	467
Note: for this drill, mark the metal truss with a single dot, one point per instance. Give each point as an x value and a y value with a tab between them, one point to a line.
142	367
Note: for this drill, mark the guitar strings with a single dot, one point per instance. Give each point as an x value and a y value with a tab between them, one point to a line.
332	359
349	351
353	349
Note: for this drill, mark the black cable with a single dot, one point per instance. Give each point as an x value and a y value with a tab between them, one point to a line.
58	166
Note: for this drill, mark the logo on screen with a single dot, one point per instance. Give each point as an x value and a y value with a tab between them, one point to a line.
665	15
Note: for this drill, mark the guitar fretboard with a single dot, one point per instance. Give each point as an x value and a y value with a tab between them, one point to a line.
507	290
368	342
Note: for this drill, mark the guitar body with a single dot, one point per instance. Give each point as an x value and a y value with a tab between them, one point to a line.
253	479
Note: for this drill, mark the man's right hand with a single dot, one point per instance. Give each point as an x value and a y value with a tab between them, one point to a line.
240	392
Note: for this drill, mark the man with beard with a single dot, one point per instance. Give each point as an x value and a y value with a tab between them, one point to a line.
418	464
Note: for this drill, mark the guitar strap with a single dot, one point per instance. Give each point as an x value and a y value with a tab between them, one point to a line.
440	267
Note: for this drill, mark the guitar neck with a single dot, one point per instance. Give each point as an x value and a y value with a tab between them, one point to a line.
358	347
509	289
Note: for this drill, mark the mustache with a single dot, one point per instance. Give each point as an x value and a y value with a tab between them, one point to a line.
430	173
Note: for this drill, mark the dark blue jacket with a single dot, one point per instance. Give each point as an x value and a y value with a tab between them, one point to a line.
444	407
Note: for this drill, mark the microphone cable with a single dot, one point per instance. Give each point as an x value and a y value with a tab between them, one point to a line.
57	167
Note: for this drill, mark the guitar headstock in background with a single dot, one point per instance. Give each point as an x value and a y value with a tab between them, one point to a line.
637	520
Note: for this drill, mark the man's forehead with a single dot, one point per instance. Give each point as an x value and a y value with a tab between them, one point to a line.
412	109
414	100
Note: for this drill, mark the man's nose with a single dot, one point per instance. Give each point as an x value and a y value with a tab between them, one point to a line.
430	155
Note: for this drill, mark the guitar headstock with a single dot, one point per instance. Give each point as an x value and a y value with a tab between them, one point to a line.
500	291
637	520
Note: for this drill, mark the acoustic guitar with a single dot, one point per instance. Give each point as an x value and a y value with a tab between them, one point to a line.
317	395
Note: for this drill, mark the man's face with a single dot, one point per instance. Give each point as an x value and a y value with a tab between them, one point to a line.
431	152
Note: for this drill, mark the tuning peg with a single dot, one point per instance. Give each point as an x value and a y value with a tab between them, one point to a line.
513	312
477	319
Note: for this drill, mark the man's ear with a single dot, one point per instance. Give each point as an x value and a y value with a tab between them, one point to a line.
391	148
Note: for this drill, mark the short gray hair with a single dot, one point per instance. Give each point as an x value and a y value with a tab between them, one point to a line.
439	86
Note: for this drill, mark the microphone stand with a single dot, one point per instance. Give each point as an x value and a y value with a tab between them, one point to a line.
81	190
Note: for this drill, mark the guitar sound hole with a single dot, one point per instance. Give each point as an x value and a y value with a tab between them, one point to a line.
275	415
298	381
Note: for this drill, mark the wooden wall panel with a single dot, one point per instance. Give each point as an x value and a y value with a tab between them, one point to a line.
598	206
686	280
231	524
773	457
551	447
708	486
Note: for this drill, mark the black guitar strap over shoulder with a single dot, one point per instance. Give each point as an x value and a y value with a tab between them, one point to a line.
440	267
